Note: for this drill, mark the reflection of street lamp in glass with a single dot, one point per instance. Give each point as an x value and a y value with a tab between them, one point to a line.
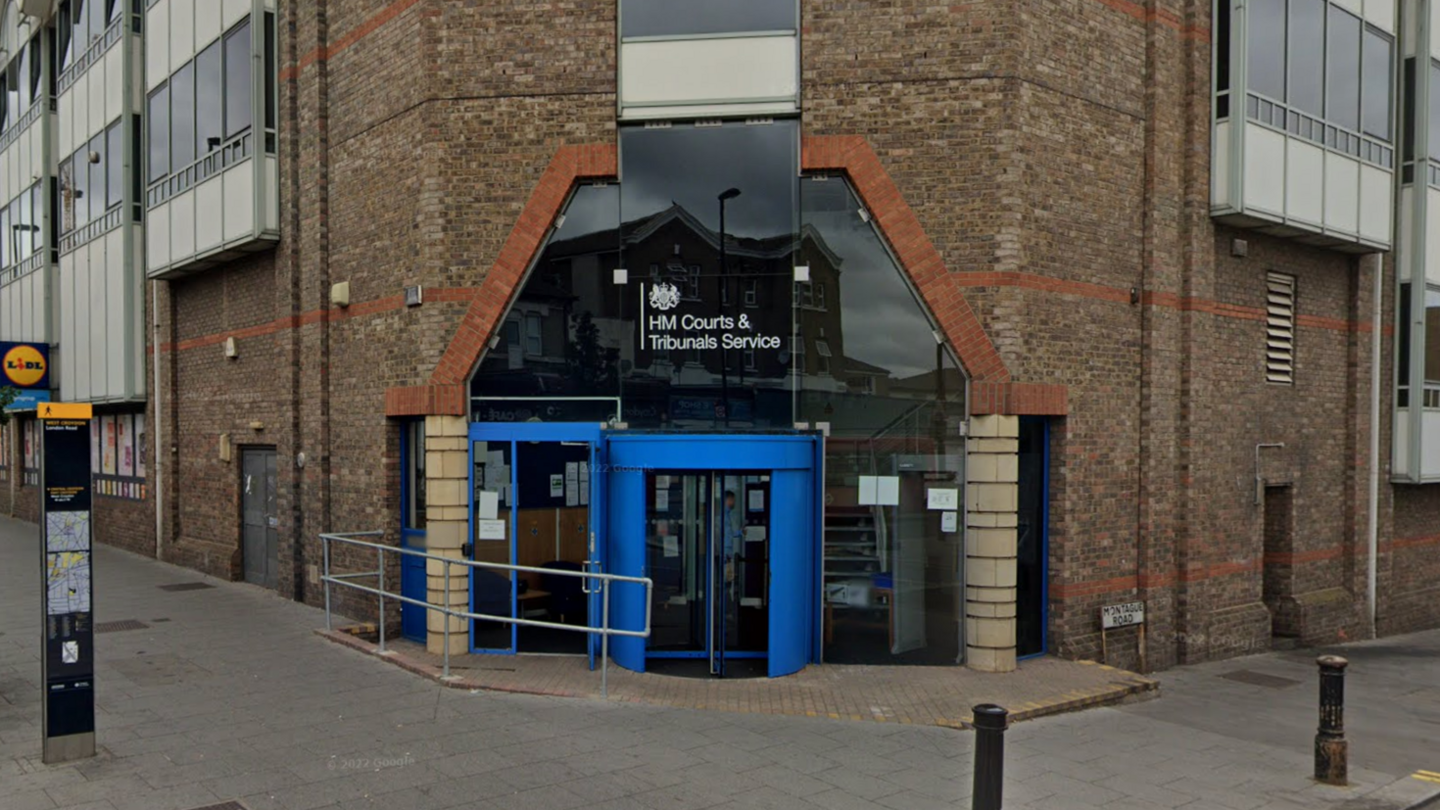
725	196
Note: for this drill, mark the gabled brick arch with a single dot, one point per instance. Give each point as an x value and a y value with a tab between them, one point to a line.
991	387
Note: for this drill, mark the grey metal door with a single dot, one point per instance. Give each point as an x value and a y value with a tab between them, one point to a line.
259	517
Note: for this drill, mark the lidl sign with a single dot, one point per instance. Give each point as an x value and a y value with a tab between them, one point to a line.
25	365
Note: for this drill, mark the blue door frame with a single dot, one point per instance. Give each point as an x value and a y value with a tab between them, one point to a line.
790	460
588	432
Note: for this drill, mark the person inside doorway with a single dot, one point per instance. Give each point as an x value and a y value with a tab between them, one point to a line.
734	533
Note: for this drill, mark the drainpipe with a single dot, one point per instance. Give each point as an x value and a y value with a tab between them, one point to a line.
1373	516
159	419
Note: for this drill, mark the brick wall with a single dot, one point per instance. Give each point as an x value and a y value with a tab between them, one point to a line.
1055	153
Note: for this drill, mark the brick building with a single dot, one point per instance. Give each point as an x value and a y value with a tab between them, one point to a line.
399	268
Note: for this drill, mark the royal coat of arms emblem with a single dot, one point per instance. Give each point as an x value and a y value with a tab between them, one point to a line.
664	296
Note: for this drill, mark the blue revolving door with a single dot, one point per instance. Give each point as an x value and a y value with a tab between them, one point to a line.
725	526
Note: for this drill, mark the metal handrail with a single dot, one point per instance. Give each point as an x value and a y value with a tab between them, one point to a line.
605	631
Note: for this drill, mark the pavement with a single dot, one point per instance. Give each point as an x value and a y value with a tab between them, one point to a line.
940	696
226	694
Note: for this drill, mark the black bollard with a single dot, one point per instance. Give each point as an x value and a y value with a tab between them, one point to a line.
1331	749
990	724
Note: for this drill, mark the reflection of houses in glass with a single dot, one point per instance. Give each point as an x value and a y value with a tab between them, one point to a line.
574	333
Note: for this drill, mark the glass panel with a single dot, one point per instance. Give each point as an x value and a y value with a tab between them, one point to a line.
113	9
415	472
744	529
182	118
159	133
688	368
35	65
553	533
80	13
82	187
1222	47
36	219
209	102
1342	70
98	19
648	18
1432	336
1306	49
893	397
1376	83
114	166
677	522
19	69
97	176
1434	111
1402	353
493	588
239	91
6	240
63	33
269	70
1267	47
572	301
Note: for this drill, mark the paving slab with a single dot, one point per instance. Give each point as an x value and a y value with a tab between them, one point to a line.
243	702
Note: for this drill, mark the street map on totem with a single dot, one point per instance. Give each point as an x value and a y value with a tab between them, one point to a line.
67	581
67	531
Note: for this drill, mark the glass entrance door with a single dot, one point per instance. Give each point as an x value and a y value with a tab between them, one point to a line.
707	550
534	503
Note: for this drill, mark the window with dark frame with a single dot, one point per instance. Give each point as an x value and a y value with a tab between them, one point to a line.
206	104
1319	72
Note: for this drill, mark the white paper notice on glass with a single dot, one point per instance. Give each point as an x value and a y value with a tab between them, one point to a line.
672	546
557	486
946	499
868	487
754	534
491	529
887	490
584	483
757	500
662	481
572	483
489	505
949	521
662	500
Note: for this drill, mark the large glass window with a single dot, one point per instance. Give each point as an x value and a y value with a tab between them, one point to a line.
1342	70
892	396
182	118
159	123
209	101
648	18
5	238
239	92
685	367
1267	48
